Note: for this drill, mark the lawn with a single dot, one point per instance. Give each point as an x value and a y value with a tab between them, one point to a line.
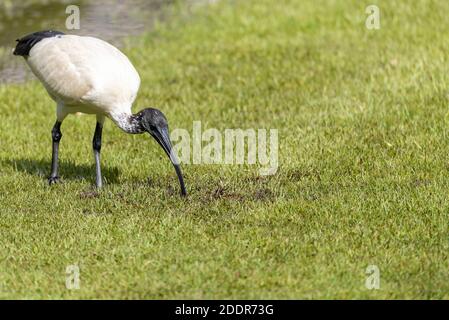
363	175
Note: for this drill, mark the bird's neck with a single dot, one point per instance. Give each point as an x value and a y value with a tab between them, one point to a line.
128	122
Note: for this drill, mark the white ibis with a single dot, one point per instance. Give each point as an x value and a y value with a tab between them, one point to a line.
88	75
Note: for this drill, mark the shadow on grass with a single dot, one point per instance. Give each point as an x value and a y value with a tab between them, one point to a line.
68	170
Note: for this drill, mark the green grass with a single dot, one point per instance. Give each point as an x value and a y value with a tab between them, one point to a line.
363	177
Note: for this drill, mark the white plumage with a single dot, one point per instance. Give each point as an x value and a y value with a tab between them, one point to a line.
88	75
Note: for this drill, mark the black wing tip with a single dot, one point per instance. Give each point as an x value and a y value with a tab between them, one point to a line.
26	43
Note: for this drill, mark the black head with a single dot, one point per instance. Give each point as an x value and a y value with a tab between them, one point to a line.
152	119
155	123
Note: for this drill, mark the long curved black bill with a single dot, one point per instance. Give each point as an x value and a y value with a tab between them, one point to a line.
163	138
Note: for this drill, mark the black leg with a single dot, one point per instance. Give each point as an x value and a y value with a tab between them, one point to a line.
56	136
96	144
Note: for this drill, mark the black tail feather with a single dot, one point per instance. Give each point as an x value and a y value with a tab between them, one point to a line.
25	44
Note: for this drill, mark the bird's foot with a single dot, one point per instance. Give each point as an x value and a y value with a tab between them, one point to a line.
99	182
53	180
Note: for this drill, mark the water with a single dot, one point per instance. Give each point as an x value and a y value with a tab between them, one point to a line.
110	20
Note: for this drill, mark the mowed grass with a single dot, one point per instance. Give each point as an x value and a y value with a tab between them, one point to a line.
363	163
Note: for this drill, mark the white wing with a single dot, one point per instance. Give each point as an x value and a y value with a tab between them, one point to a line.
88	71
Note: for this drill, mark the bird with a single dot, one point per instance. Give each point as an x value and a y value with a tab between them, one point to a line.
88	75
